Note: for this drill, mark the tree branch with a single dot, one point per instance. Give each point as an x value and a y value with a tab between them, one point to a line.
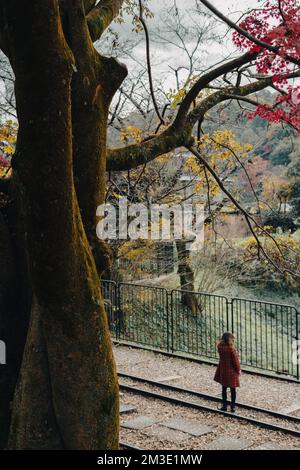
249	219
101	16
205	79
132	156
149	68
247	35
198	113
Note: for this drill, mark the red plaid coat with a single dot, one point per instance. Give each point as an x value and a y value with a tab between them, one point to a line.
229	368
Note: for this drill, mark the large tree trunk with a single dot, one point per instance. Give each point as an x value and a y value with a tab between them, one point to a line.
6	308
94	84
186	275
15	300
67	394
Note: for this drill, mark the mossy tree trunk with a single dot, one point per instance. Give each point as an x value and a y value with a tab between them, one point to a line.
15	302
67	392
186	276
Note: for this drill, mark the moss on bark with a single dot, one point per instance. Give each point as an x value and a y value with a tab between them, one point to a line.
186	275
71	401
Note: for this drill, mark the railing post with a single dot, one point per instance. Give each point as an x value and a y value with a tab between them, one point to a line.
297	344
171	320
229	315
168	322
118	307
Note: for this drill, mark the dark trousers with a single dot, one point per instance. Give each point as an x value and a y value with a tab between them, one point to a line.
224	395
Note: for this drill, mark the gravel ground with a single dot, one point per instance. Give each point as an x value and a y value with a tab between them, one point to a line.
222	427
259	391
242	412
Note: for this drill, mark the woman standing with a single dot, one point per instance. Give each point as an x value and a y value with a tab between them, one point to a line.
228	370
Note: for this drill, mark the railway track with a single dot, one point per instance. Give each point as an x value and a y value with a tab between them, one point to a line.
127	446
261	417
260	373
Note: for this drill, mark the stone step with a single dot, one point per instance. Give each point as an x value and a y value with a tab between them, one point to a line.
140	422
273	446
225	443
163	433
290	409
168	378
124	409
190	427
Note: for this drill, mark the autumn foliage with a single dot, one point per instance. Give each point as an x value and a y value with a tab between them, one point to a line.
8	136
277	24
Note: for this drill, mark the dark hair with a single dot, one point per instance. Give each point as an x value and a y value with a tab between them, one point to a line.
226	337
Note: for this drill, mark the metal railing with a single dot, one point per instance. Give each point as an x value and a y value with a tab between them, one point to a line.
265	333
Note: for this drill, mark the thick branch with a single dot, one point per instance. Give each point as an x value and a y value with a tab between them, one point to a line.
237	92
245	100
198	113
205	80
132	156
101	16
149	67
125	158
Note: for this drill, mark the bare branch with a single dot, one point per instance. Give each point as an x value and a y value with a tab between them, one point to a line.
133	101
149	68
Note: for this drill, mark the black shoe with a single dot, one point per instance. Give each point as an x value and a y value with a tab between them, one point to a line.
233	408
223	408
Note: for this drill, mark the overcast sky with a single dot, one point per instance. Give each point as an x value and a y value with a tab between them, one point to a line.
165	56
